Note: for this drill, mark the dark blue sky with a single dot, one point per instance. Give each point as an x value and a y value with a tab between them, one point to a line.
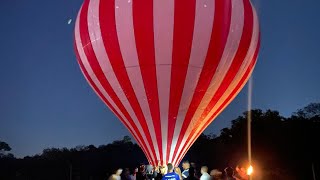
46	102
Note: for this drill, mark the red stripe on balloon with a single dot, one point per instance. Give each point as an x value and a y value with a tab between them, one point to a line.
237	61
83	23
230	97
88	49
219	36
226	102
238	87
184	16
103	98
144	36
239	57
111	43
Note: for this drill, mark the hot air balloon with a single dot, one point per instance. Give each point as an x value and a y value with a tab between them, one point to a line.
167	68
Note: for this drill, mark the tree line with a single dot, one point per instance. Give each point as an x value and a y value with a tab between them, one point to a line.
282	148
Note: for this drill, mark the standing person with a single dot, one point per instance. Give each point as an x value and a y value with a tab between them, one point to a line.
178	171
134	174
171	175
241	174
149	172
126	174
186	167
216	174
204	172
116	175
229	173
196	172
158	172
192	174
141	174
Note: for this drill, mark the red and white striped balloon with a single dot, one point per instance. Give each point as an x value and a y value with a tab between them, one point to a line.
167	68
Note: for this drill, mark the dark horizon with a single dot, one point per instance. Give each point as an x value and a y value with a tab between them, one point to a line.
206	132
46	102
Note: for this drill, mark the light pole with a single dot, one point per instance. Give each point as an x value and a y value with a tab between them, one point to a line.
250	168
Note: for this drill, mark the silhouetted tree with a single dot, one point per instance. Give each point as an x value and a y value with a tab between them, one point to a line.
4	148
311	112
284	148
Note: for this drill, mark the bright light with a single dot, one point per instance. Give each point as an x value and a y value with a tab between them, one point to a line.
69	21
250	170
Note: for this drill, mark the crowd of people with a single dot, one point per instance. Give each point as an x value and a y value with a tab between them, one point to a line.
169	172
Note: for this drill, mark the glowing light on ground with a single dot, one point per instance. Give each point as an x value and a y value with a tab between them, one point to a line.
249	170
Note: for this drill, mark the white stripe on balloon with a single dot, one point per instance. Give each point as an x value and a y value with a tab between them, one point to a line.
125	32
163	22
204	16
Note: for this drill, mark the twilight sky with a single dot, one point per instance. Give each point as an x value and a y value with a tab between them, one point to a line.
46	102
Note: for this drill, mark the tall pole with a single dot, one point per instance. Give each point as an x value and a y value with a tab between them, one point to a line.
70	168
313	173
249	122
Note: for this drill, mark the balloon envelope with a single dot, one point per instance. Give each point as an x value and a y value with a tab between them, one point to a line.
167	68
